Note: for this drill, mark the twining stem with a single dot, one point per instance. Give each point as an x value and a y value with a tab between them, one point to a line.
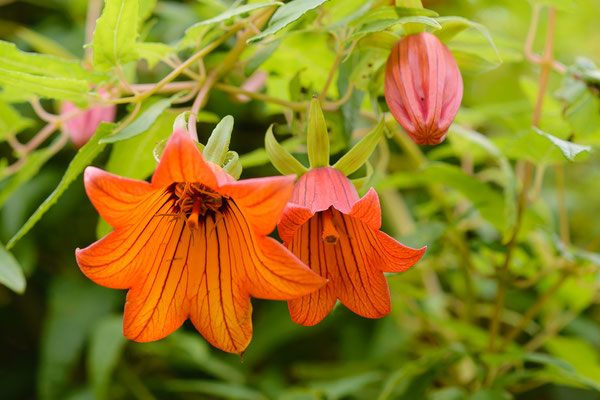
332	71
503	273
257	22
293	105
177	71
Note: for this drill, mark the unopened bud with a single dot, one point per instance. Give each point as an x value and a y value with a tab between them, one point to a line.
423	87
83	126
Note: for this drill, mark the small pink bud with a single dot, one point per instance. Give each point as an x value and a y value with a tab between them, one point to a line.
83	126
423	87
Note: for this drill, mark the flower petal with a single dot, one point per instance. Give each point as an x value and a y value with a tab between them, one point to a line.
117	260
353	266
116	198
321	188
368	210
261	199
221	310
159	302
397	257
293	217
309	247
270	270
181	161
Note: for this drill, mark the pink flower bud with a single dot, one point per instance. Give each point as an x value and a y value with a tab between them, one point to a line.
83	126
423	87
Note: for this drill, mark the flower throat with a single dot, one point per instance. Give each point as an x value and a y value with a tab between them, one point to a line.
194	200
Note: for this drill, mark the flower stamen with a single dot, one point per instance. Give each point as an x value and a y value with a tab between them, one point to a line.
330	233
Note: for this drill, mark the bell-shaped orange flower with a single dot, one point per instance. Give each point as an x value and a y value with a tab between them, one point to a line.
337	235
192	244
423	87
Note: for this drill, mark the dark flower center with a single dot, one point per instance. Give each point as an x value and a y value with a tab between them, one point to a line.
194	200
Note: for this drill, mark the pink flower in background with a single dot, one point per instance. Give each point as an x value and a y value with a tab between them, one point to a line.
83	126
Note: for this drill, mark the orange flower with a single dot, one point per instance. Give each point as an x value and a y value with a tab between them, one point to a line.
192	244
337	235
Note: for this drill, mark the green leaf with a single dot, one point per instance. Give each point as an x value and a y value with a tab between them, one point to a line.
281	159
287	14
153	52
11	122
361	151
392	13
116	33
15	60
106	346
233	12
11	273
510	181
369	62
383	24
32	165
133	157
217	145
82	159
489	394
144	121
57	88
213	389
344	387
451	26
488	201
260	57
73	308
317	138
569	149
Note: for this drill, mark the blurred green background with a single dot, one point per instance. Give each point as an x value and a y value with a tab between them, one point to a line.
62	338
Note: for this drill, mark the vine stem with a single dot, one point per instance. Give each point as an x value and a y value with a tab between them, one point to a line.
258	21
504	272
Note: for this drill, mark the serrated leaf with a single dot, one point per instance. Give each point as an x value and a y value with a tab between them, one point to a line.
391	12
285	15
452	25
15	60
361	151
57	88
144	121
281	159
11	273
82	159
153	52
383	24
233	12
115	35
11	122
569	149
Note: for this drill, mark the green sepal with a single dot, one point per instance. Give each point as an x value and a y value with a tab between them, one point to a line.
218	143
360	153
317	138
232	165
281	159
